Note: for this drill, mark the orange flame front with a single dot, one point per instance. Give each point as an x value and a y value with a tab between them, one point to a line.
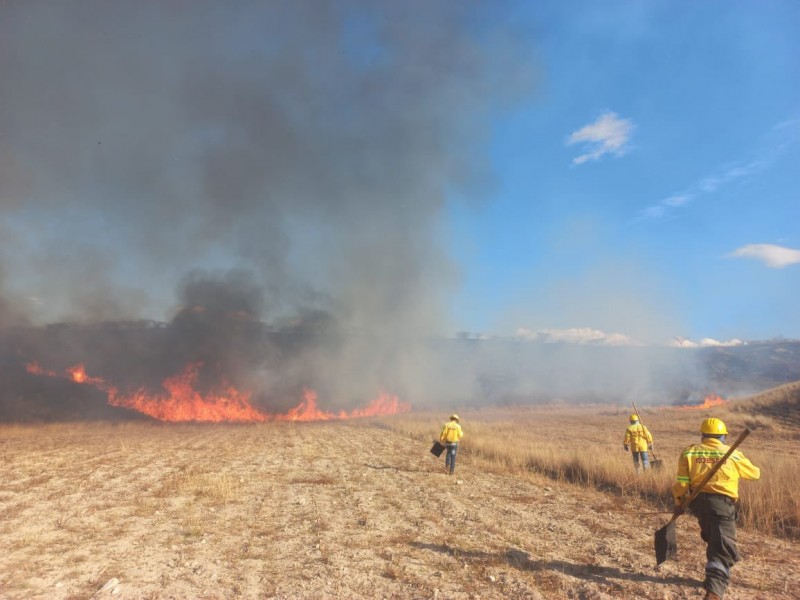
307	410
384	404
710	401
78	375
181	401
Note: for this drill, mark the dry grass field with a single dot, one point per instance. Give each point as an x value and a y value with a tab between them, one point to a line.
544	504
584	446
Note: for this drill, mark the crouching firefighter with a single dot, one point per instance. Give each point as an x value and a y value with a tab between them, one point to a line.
716	505
639	440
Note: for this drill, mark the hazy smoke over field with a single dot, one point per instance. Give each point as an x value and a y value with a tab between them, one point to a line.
261	187
281	161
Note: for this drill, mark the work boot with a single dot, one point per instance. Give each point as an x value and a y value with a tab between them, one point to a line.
711	596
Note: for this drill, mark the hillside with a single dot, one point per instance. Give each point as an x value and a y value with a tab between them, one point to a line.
781	403
325	510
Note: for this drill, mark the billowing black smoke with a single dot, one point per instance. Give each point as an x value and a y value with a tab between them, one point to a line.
283	165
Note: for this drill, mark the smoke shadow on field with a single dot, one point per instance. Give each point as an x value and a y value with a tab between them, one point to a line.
521	560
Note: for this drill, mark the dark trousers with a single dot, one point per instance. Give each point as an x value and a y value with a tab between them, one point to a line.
716	514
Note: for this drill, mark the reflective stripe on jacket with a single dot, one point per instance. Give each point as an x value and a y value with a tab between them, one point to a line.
637	437
451	432
697	459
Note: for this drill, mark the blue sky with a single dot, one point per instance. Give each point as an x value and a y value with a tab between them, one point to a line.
650	187
615	172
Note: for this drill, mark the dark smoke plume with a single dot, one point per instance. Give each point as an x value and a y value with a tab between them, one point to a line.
280	163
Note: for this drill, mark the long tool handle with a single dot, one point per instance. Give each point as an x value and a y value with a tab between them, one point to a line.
688	500
636	410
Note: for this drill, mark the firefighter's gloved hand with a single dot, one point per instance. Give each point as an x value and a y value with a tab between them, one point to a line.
650	446
625	447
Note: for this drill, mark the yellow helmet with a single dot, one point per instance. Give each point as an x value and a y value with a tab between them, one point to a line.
634	417
713	426
454	417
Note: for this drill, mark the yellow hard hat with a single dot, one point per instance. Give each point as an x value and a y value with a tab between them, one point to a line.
634	417
713	426
454	417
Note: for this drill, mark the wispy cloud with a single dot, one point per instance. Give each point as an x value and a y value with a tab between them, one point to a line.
775	257
607	135
784	134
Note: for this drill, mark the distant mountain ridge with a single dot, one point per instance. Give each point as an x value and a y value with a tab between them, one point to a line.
758	365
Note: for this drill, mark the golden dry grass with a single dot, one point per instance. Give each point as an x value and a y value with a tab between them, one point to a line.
584	446
780	404
356	510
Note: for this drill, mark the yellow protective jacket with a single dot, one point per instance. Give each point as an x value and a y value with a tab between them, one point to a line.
451	432
637	437
696	461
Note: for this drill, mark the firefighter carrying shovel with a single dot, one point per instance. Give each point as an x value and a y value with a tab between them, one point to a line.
715	504
639	440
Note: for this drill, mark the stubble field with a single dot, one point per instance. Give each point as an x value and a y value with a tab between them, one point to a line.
360	509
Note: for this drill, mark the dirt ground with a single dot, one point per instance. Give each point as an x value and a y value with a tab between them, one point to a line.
324	510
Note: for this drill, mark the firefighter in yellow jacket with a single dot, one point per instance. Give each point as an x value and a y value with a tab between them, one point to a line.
639	440
449	437
715	505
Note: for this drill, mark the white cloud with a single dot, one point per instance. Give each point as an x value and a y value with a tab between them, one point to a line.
608	134
682	342
775	257
596	337
712	342
576	335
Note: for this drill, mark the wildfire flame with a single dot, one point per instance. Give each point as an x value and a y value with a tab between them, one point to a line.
710	401
307	410
181	401
36	369
384	404
78	375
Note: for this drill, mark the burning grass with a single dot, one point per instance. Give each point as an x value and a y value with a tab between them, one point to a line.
180	400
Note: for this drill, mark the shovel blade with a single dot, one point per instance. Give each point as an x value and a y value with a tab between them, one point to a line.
657	464
666	543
